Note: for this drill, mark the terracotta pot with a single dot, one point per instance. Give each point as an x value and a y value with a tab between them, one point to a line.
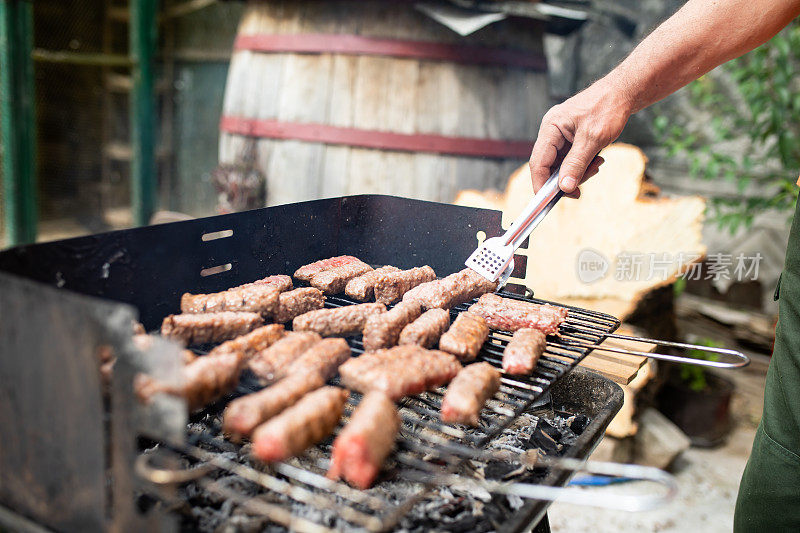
703	415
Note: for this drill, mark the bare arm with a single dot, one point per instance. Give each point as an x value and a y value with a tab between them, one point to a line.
700	36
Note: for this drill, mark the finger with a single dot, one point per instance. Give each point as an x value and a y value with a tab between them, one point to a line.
574	194
545	154
576	163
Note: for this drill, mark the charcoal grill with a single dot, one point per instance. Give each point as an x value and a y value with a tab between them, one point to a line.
89	433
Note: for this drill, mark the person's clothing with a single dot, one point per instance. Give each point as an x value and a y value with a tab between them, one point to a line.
769	494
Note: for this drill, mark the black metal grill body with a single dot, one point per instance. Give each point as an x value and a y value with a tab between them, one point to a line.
149	268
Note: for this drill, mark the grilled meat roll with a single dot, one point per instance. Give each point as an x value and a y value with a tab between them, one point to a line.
273	363
465	337
323	358
362	288
399	371
383	330
365	442
523	351
244	414
209	327
427	329
306	272
508	314
392	286
452	290
295	303
342	321
305	423
467	393
255	298
334	280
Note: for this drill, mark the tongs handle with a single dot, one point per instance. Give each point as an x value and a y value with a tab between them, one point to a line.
741	359
541	204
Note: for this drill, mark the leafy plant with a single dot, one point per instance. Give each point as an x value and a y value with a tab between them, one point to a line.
695	376
748	131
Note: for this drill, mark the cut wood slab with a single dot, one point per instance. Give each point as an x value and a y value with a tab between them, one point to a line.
642	241
621	368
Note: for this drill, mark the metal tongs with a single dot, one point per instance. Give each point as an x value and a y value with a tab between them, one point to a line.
494	259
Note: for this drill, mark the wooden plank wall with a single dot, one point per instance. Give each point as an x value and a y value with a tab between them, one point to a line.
382	93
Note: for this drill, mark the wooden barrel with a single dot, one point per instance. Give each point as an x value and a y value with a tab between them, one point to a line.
376	97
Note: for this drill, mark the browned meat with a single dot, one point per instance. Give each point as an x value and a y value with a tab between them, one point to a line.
209	327
306	272
307	422
342	321
323	358
523	351
465	337
451	290
256	298
383	330
204	380
273	363
467	393
399	371
507	314
251	343
392	286
295	303
281	281
244	414
334	280
426	330
362	288
360	449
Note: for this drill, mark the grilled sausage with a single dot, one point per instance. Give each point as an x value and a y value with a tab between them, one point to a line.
383	330
306	272
392	286
204	380
334	280
280	281
451	290
508	314
307	422
209	327
399	371
251	343
273	363
322	358
467	393
255	298
295	303
360	449
426	330
362	288
465	337
342	321
523	351
244	414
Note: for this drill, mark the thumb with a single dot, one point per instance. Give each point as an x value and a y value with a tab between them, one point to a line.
575	163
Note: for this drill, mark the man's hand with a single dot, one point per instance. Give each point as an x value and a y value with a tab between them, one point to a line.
572	134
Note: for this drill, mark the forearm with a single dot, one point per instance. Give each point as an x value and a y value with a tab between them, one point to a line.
700	36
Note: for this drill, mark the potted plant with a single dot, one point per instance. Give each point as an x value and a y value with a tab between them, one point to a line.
698	400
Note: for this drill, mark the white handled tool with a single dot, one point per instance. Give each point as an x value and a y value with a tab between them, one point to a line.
494	260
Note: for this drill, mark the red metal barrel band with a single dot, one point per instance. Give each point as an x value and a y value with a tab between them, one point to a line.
383	140
321	43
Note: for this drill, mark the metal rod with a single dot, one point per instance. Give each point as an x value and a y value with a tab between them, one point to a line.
143	37
18	118
79	58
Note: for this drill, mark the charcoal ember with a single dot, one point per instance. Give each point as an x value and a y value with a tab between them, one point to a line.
499	469
547	438
578	423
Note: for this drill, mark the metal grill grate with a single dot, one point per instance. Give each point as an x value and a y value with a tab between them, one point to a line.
425	452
